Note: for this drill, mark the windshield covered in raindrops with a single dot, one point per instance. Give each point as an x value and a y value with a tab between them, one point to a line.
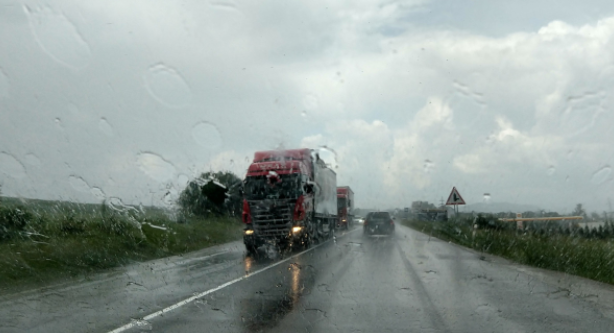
483	128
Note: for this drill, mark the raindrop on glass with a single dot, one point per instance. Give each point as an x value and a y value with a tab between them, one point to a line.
581	113
167	86
32	160
79	184
428	166
105	127
11	166
58	37
142	324
4	85
328	155
182	180
602	175
98	193
486	197
118	205
155	166
207	135
551	170
58	123
304	114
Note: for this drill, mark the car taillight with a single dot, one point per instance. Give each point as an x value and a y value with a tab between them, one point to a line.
299	209
247	214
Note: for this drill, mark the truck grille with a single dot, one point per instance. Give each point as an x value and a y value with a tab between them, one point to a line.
271	219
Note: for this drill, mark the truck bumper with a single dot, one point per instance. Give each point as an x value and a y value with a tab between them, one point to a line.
255	239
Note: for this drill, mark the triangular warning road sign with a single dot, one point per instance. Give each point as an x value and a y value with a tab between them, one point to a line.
455	198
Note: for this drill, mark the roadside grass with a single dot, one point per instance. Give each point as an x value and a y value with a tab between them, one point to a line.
67	241
590	258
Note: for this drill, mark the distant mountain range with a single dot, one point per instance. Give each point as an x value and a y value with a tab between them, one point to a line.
498	207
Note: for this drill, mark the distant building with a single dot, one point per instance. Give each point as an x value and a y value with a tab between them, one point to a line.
417	206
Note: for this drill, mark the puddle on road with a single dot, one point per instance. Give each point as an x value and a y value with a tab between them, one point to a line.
265	308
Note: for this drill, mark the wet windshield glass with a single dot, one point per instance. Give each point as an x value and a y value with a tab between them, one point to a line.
281	187
477	134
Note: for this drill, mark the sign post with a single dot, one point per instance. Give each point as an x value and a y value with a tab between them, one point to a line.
455	199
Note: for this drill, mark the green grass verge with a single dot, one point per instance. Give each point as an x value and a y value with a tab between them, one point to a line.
60	243
590	258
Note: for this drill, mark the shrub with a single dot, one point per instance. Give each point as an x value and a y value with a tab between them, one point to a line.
12	221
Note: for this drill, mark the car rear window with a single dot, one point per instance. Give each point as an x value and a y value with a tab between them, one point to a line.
381	215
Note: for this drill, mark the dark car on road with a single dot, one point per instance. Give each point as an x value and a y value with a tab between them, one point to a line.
378	223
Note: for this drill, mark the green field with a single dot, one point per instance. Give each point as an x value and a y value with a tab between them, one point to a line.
42	242
592	258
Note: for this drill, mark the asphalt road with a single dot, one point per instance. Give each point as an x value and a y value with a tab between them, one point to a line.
407	282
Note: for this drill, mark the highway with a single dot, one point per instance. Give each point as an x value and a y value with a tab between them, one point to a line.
405	283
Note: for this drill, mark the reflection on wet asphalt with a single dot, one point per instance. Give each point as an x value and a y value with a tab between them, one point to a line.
406	282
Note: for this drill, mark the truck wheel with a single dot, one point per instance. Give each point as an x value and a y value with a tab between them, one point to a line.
316	233
307	242
283	246
251	249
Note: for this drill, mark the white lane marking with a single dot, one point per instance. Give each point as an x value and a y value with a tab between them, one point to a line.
205	293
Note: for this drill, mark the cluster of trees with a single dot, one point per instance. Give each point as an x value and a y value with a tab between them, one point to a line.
417	206
212	193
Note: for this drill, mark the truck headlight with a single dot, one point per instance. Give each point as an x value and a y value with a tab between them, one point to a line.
249	232
296	229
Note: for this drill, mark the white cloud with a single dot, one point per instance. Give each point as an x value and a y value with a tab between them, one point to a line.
409	109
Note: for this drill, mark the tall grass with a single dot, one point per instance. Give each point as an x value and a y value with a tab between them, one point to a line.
42	242
592	258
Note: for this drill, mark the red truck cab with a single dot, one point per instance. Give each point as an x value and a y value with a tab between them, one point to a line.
345	206
288	198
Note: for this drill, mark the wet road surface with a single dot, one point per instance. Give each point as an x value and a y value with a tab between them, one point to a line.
407	282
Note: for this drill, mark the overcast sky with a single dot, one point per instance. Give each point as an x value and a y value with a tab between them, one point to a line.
130	99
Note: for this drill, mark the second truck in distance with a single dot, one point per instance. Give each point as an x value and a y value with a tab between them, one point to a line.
345	206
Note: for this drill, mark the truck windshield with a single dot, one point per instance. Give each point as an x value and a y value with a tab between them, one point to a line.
341	203
286	187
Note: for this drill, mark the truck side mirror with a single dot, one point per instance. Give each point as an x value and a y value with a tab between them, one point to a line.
308	188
